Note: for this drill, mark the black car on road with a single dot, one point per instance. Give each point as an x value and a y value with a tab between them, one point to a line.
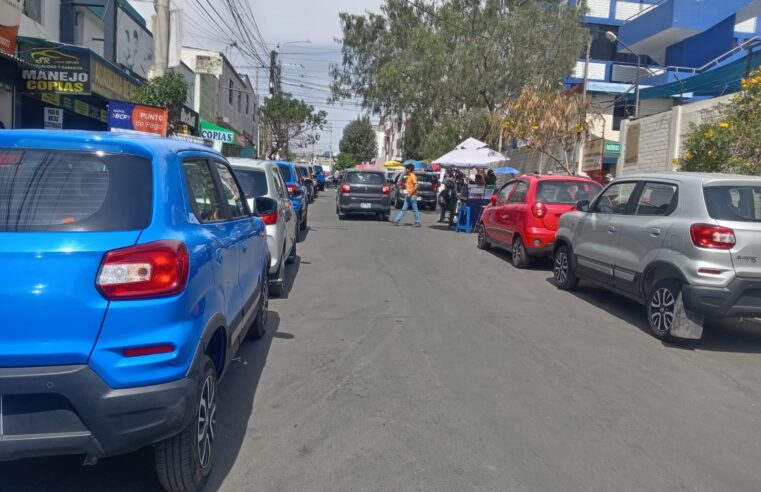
427	189
363	191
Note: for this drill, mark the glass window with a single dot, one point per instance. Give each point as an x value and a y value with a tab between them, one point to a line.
365	178
279	184
286	171
239	101
739	203
614	199
43	190
33	10
520	193
505	192
230	94
203	195
253	182
231	192
248	101
656	199
566	192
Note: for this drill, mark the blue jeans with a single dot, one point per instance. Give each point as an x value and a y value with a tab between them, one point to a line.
406	206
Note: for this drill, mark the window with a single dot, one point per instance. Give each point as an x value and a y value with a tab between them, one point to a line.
505	192
230	192
567	192
286	171
42	190
230	94
239	99
248	101
33	10
656	199
519	195
620	113
739	203
602	48
615	199
203	195
365	178
253	182
279	184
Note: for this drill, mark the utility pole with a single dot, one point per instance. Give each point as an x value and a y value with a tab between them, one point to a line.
161	38
274	74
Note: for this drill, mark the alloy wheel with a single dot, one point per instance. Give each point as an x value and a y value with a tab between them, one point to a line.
516	252
207	420
561	268
662	304
266	302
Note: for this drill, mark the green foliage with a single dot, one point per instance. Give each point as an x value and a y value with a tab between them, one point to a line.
732	143
470	54
168	91
359	140
344	161
451	130
287	118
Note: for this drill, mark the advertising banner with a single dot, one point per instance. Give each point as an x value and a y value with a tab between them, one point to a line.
217	133
135	118
10	17
59	71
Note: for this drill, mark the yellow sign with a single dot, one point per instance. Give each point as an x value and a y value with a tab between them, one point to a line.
51	98
81	108
109	83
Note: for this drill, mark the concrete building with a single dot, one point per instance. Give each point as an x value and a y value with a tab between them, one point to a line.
390	134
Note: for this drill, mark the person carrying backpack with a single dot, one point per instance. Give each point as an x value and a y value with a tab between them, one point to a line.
448	202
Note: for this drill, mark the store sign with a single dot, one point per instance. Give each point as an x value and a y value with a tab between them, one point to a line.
110	83
189	118
126	117
53	118
612	148
10	17
593	152
216	133
59	71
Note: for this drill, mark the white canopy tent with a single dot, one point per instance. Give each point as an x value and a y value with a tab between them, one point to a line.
471	154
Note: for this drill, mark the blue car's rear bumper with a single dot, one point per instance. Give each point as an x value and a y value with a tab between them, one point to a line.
59	410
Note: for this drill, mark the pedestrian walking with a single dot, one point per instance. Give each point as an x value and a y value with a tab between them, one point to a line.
491	178
448	203
410	200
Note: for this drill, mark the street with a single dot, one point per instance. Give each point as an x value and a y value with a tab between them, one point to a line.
405	359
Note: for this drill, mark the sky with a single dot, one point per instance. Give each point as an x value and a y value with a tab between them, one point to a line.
287	23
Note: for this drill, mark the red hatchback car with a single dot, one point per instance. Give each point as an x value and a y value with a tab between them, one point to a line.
523	215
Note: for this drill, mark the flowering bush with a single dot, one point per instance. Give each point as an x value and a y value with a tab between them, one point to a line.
732	144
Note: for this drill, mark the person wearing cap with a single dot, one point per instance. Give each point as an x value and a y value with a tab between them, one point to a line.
410	200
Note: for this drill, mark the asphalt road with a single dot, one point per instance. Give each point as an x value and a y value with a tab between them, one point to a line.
405	359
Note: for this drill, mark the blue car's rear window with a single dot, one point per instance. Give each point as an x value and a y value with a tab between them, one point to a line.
46	190
287	175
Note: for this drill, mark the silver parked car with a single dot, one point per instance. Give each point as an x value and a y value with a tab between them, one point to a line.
267	194
686	245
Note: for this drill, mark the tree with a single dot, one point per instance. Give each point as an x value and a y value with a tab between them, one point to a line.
168	91
359	140
287	118
344	161
434	61
732	143
549	120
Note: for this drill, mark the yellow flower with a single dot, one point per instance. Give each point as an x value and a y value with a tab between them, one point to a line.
710	152
724	124
688	156
534	127
709	134
744	83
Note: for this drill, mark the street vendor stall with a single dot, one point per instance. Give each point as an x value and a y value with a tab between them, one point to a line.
472	154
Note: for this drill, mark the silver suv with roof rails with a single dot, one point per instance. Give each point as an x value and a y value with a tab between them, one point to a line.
687	245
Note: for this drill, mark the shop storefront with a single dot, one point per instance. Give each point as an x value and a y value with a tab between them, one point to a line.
600	158
68	87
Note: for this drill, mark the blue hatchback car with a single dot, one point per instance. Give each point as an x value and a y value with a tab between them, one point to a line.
133	269
297	191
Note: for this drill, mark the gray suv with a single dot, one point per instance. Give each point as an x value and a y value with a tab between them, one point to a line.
686	245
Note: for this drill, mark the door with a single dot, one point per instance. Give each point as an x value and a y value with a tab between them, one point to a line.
643	232
244	237
511	214
207	204
491	217
597	242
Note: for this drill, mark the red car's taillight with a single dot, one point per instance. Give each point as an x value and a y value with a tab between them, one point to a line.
292	189
712	236
386	190
539	210
270	219
145	271
345	188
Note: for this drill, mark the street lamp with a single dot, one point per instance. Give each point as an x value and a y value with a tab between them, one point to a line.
614	39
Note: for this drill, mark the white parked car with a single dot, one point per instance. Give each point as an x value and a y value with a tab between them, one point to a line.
267	195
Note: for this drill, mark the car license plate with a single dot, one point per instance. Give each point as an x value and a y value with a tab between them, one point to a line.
418	198
364	205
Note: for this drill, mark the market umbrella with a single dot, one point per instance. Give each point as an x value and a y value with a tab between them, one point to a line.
506	170
470	154
392	164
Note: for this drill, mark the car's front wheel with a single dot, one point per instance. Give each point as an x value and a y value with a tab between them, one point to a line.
184	461
483	241
562	271
661	307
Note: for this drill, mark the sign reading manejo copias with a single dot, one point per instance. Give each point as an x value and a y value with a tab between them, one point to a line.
58	71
